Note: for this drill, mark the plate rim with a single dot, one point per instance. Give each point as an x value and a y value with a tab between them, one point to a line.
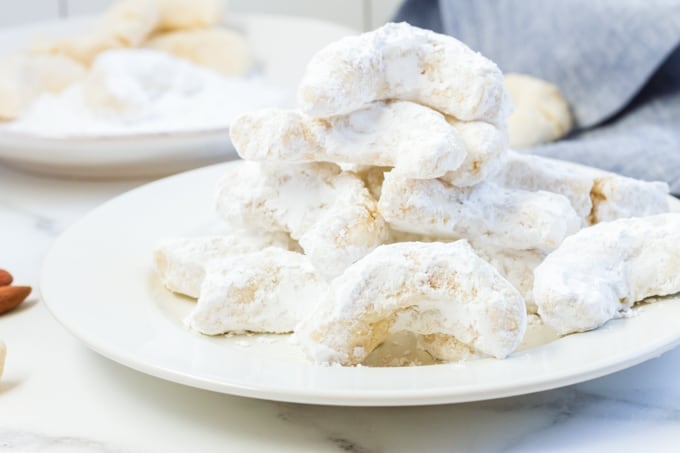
350	397
9	135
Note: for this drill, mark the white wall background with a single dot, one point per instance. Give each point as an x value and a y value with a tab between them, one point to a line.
359	14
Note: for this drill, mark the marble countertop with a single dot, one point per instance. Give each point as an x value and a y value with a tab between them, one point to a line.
58	396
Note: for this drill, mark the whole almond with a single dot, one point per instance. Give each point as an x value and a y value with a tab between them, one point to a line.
11	296
6	278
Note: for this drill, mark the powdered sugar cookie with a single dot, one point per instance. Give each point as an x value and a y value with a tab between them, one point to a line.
541	113
527	172
486	145
329	212
189	14
485	213
399	61
602	270
127	23
266	291
517	267
618	197
25	77
425	288
181	263
222	50
417	141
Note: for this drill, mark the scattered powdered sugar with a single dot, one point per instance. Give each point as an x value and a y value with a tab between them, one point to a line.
627	313
134	91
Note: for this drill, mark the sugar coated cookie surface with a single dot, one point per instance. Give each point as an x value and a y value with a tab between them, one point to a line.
438	288
219	49
330	212
181	262
485	213
416	140
266	291
541	113
400	61
602	270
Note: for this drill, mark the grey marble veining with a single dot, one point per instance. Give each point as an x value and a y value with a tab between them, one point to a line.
26	442
42	223
613	410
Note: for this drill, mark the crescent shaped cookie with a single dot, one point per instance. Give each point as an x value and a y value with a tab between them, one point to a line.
439	288
219	49
329	212
602	270
618	197
595	195
127	23
528	172
541	113
189	14
417	141
266	291
181	263
485	213
399	61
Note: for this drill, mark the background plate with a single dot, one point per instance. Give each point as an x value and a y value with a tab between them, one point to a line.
99	282
282	46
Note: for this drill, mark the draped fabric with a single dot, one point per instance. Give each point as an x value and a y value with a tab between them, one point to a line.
617	62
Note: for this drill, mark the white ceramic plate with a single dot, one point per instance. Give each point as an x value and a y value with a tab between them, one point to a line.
99	282
282	46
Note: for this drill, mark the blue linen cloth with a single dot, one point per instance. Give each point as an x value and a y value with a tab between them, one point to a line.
617	62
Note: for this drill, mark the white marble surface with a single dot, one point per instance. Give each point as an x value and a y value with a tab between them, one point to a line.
58	396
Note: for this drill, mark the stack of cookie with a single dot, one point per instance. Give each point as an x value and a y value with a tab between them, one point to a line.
404	207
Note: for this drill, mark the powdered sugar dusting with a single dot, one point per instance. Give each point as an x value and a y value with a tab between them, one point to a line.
146	91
